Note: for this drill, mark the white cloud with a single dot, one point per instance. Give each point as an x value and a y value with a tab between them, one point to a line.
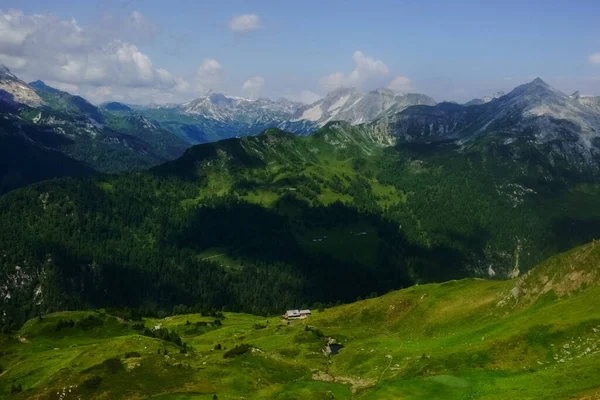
366	71
99	61
595	58
67	87
253	87
244	23
305	96
401	84
209	75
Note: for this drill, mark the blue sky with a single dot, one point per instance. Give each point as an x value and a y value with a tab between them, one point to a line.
451	50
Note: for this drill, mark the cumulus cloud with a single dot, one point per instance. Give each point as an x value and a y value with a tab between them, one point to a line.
100	60
244	23
305	96
209	75
401	84
367	70
253	87
595	58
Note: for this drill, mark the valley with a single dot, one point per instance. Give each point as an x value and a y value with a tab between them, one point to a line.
412	229
313	200
537	336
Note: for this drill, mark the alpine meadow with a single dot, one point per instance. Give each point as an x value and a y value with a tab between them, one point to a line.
351	238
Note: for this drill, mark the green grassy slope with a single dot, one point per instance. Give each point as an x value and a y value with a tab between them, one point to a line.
530	338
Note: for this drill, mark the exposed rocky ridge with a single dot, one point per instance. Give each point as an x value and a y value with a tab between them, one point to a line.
16	90
350	105
535	112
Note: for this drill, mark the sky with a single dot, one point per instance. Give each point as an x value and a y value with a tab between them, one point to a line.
150	51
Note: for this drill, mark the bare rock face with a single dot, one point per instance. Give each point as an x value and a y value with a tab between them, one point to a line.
17	90
352	106
559	124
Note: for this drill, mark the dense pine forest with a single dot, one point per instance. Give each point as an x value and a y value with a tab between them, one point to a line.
263	223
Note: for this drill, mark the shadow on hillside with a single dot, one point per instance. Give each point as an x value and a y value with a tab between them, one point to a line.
270	237
572	232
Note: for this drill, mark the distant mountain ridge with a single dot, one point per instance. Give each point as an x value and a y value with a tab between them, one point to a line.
355	107
49	125
116	136
217	116
534	113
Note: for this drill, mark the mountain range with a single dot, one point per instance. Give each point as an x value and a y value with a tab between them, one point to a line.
53	125
563	127
427	194
217	116
115	137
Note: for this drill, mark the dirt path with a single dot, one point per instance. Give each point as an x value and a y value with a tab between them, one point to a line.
355	383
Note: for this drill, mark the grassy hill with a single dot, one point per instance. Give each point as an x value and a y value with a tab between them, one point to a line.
534	337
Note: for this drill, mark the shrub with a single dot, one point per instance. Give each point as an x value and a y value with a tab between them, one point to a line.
217	347
63	323
90	322
237	351
289	352
132	354
91	383
16	388
138	326
259	326
113	365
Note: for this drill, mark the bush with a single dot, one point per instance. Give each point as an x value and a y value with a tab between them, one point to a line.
164	334
92	383
217	347
132	354
237	351
113	365
139	326
259	326
289	352
90	322
16	388
63	323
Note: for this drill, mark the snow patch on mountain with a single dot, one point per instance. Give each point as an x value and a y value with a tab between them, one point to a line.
312	114
339	103
355	107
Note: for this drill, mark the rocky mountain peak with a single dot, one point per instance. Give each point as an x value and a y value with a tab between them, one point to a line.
17	90
539	82
5	73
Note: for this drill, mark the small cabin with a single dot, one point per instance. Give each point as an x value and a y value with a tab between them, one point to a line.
295	314
292	314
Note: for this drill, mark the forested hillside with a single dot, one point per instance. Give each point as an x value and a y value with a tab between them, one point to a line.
262	223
